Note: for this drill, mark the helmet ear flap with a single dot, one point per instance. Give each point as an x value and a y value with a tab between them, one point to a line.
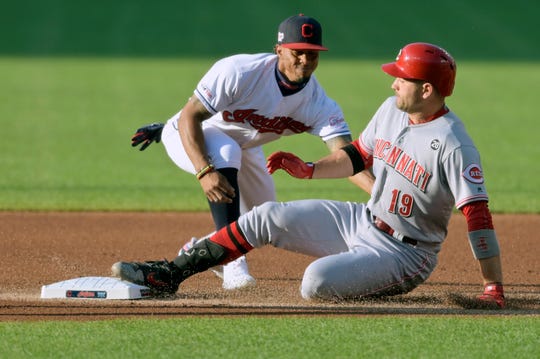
423	61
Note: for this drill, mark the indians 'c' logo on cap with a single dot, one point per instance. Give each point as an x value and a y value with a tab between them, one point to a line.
473	173
307	30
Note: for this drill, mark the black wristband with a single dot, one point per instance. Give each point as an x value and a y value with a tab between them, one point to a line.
356	158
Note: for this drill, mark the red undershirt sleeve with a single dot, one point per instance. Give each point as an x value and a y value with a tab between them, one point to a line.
477	215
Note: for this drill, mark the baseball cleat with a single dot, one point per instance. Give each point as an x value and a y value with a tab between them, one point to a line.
156	275
236	275
217	270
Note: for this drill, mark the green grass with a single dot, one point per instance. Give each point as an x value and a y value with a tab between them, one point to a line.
66	118
496	102
481	29
67	124
256	337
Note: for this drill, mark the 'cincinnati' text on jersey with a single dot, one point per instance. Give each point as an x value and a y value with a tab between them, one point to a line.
264	124
402	163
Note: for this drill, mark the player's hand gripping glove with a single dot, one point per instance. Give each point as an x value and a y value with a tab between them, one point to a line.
291	164
493	295
146	135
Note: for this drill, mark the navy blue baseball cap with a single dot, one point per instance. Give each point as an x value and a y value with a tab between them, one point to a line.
300	32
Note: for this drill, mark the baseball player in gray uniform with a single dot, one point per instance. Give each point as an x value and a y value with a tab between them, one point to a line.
241	103
424	164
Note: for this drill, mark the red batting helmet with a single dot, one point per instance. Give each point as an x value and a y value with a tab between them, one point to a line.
423	61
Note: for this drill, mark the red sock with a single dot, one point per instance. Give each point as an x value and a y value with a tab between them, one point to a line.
233	240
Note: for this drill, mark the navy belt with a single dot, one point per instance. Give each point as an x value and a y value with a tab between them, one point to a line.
383	226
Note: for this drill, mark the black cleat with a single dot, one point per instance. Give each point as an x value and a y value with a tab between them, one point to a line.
159	276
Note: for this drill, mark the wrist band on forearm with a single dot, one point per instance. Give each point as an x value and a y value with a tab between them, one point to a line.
484	243
205	170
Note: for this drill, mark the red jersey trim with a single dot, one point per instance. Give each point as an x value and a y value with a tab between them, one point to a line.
443	111
366	157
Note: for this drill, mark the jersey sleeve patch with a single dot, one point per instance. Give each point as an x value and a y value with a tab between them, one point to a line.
206	91
473	173
205	102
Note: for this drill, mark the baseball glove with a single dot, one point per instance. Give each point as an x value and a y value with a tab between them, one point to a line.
146	135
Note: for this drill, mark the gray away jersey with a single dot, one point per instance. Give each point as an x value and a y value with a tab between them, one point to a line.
424	169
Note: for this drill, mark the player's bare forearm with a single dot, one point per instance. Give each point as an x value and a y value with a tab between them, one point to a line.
491	269
190	130
364	179
215	186
335	165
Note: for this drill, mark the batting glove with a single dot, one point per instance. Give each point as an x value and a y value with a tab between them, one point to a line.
146	135
493	295
290	164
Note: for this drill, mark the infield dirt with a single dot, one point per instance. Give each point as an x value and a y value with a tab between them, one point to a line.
39	248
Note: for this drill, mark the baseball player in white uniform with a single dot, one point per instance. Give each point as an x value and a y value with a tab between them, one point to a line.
241	103
424	164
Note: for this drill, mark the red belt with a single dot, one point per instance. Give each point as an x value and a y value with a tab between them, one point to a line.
383	226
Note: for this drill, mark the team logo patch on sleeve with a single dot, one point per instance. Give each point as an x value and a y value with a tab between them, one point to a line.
206	91
335	120
473	173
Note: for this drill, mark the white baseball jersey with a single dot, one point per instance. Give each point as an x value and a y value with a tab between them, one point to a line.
242	93
249	110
